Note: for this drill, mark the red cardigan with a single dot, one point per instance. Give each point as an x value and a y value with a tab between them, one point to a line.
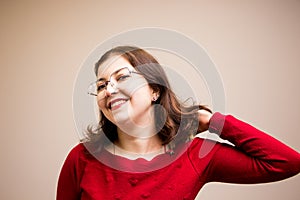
255	158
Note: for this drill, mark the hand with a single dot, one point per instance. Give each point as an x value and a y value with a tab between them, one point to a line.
203	117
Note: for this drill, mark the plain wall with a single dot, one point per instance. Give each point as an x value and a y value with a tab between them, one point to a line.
255	45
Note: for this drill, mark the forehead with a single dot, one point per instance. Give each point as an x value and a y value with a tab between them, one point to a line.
111	65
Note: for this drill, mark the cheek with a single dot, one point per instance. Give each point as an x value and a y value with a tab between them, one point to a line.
141	98
101	104
133	86
102	107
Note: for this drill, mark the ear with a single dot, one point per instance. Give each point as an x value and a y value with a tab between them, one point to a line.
155	95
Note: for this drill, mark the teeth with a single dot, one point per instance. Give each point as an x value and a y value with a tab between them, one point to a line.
117	103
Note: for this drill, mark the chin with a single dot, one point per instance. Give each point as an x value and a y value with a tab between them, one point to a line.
122	119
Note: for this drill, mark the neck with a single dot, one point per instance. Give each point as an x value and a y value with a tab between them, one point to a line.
138	145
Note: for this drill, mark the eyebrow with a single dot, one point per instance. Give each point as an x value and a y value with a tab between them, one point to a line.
100	79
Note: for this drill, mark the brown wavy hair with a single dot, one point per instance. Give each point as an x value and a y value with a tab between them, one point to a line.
180	121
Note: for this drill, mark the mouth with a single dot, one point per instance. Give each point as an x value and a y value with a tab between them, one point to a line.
116	103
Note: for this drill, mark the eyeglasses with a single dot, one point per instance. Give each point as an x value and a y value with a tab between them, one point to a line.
121	76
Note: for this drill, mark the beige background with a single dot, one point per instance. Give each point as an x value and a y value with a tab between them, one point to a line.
255	45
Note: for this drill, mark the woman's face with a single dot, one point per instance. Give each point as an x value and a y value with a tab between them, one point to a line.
128	103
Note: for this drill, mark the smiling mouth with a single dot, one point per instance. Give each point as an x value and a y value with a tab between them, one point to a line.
115	104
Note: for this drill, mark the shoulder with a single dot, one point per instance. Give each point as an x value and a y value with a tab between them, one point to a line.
77	150
76	161
77	154
201	148
78	147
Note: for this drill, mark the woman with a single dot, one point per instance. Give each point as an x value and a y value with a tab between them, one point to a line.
143	149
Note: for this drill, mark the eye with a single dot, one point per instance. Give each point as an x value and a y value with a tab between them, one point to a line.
101	87
122	77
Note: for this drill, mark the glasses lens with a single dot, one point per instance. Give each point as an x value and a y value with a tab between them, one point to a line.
97	89
92	89
120	76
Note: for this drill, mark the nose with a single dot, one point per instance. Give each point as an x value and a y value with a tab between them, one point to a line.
110	89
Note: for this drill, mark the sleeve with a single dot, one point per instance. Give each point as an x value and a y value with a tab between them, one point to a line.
68	186
255	157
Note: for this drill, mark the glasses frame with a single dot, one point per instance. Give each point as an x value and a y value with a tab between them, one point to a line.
109	80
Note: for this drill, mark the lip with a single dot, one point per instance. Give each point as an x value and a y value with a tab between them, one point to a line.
114	101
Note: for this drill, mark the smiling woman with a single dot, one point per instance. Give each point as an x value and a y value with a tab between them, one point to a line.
147	89
144	146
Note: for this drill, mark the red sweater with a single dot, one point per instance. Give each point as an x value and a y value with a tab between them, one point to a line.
255	158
